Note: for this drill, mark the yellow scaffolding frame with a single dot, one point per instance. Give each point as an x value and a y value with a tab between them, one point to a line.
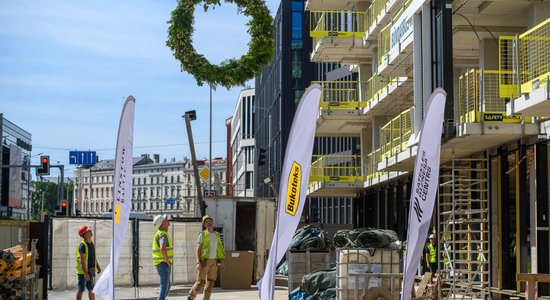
341	94
480	100
396	133
337	24
530	53
374	10
336	168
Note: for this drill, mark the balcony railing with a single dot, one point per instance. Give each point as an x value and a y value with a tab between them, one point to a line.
341	94
376	84
337	24
527	55
371	163
336	168
396	133
480	99
374	10
384	39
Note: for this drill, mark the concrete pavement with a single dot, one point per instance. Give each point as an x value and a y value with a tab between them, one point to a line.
176	292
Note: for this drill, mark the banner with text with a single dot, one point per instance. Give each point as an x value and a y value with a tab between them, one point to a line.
294	183
122	193
424	186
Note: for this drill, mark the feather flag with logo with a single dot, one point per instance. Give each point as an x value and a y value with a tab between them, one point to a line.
294	184
122	197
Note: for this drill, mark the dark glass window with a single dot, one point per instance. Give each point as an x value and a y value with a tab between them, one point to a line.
296	25
297	6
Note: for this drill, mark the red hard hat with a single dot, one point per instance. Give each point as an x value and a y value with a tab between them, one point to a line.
83	229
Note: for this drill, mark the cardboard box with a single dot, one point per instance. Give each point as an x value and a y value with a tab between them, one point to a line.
238	270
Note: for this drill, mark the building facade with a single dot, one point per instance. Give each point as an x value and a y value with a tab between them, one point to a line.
279	89
491	57
243	144
167	187
15	175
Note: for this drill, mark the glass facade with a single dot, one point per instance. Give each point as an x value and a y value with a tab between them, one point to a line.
16	150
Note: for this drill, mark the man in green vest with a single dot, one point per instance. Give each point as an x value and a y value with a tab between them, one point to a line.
163	254
209	256
86	263
431	255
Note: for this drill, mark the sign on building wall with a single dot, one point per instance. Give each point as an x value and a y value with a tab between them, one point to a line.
14	194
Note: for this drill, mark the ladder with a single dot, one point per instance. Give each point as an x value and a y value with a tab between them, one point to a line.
464	229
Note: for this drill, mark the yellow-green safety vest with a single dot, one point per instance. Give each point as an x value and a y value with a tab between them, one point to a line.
433	253
156	254
79	269
205	248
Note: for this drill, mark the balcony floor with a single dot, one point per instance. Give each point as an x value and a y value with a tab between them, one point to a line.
391	100
341	50
335	189
470	140
536	103
340	123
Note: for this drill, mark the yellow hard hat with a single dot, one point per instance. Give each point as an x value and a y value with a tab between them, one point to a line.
206	217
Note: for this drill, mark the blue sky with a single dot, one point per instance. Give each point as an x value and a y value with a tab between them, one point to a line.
67	66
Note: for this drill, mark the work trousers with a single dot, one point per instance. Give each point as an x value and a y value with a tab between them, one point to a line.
208	273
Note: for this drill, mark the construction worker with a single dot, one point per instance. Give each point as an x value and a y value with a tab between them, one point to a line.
163	254
431	254
86	263
209	256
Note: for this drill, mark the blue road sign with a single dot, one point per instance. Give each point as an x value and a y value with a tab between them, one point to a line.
170	201
82	157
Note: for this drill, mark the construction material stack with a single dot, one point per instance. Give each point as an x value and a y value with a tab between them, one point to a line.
18	272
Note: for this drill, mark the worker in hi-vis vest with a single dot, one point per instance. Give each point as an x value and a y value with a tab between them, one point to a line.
86	263
163	254
209	256
431	254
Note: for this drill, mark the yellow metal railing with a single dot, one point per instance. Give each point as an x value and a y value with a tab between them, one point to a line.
338	24
384	44
371	163
396	133
479	98
527	55
376	85
534	56
374	10
334	167
341	94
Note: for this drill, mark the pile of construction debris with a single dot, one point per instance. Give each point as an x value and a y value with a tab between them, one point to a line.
16	265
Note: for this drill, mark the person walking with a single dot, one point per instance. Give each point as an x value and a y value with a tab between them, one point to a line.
163	254
431	255
86	263
209	256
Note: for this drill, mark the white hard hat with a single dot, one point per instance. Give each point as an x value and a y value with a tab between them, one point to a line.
157	221
432	236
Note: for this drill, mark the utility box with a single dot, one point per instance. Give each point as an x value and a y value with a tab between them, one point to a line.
301	263
239	266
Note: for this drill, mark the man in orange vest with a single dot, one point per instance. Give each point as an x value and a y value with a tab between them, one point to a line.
209	256
86	263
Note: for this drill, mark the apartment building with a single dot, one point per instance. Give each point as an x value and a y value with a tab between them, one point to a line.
492	59
242	144
157	187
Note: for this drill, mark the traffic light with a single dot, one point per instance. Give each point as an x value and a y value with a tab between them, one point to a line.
63	208
315	215
261	157
44	168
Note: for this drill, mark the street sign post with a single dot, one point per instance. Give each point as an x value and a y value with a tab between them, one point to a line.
204	173
82	157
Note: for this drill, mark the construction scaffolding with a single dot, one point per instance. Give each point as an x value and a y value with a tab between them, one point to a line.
464	227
